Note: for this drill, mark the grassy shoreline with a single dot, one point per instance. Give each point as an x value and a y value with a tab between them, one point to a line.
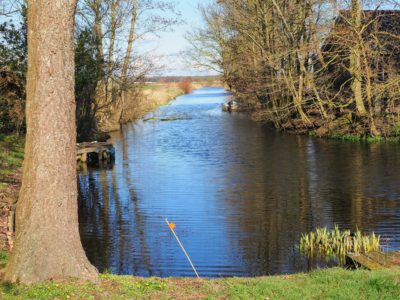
321	284
357	138
146	100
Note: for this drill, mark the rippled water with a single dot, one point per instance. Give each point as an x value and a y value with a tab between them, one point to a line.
239	193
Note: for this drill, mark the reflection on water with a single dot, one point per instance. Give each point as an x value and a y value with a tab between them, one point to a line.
240	194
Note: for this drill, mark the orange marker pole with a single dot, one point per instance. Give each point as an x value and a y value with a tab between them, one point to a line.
172	226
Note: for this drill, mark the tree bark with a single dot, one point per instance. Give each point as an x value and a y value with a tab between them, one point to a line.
47	242
125	66
368	89
128	53
99	33
113	29
355	59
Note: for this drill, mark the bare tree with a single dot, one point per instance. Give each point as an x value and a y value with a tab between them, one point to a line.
119	26
8	7
355	56
307	65
131	38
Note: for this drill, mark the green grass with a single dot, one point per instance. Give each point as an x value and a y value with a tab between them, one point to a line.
322	284
151	86
395	132
11	157
360	138
3	258
363	138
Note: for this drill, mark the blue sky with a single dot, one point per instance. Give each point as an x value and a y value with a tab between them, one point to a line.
170	44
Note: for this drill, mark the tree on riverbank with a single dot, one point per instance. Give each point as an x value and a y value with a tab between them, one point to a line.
326	66
47	243
110	64
118	26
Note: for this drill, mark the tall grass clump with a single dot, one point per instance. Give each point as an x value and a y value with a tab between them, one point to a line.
338	243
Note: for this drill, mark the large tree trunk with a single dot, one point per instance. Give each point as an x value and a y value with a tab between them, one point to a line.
47	243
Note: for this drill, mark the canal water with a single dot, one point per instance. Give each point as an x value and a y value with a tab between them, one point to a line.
240	194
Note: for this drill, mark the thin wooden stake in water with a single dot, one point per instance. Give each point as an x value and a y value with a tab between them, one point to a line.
183	249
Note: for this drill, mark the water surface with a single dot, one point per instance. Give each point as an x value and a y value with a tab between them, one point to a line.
240	194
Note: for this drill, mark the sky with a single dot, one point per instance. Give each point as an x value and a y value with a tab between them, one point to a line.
168	46
171	43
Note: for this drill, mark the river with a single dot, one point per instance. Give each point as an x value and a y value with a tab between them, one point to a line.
240	194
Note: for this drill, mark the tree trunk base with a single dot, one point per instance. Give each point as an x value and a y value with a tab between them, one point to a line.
34	265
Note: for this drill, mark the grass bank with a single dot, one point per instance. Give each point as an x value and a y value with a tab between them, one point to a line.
322	284
145	100
137	103
154	95
160	94
11	157
140	101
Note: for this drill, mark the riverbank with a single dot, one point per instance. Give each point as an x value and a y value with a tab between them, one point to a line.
349	128
135	104
343	125
143	100
322	284
158	94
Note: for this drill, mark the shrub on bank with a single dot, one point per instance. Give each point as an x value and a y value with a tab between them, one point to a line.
185	86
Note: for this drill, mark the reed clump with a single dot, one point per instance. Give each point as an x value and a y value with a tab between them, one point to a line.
338	243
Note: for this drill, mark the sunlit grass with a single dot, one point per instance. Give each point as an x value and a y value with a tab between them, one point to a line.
322	284
3	258
395	130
